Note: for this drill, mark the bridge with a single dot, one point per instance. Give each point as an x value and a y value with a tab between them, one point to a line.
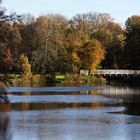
111	72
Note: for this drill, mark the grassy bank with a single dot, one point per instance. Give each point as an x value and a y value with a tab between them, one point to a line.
18	80
41	80
83	79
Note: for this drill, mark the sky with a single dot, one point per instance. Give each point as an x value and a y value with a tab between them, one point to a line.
120	10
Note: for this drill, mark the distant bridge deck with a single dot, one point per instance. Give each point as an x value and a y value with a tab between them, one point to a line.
111	72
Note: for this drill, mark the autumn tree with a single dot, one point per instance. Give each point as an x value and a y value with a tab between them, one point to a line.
91	55
48	42
101	26
5	54
25	67
27	35
9	42
75	37
92	21
109	35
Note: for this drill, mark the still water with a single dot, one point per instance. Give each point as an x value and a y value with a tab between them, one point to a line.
106	113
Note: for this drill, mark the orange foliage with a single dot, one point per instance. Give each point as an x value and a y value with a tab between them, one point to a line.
91	54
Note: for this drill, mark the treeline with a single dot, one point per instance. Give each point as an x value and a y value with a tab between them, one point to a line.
53	43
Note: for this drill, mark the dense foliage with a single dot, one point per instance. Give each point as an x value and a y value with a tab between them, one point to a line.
52	43
132	43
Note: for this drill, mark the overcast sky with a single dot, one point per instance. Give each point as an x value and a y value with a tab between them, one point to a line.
119	9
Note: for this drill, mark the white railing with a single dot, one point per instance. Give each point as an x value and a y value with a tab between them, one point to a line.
111	72
116	72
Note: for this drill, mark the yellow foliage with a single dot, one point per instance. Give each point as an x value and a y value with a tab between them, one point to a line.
25	66
91	54
75	57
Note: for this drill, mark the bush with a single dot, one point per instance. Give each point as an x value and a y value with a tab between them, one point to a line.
83	79
25	67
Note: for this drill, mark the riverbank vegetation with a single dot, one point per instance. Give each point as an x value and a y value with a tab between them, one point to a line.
51	44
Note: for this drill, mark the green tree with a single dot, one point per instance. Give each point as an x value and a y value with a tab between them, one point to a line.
132	43
109	36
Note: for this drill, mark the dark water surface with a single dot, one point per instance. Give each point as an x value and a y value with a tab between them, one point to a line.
107	113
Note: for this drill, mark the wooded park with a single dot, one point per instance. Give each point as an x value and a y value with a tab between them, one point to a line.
52	43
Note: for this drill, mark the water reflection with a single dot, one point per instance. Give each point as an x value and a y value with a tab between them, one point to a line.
107	114
3	95
58	106
129	98
5	133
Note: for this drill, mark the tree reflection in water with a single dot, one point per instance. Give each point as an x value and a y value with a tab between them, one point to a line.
5	133
3	96
4	116
128	97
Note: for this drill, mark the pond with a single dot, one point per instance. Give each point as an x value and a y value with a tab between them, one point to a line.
100	113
